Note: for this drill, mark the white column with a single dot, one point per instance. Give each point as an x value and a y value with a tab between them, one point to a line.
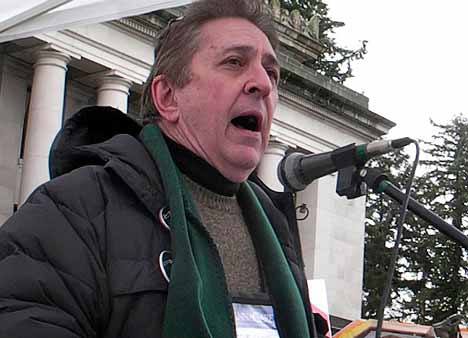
267	170
113	91
45	117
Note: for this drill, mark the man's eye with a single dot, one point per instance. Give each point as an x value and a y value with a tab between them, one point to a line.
234	62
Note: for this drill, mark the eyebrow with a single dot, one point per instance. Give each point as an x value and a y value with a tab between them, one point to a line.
269	59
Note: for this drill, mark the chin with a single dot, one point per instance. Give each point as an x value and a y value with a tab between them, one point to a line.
237	166
238	177
239	174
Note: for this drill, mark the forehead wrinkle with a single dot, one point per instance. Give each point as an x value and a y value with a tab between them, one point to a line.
242	49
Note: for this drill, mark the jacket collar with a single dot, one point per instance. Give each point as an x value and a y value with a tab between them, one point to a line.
106	137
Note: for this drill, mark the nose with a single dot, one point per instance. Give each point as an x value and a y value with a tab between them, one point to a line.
259	82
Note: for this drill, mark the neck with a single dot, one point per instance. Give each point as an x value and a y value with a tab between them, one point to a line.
182	135
200	171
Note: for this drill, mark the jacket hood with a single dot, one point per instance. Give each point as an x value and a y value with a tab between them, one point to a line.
89	126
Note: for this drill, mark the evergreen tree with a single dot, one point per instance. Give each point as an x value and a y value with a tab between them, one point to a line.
381	217
431	279
335	60
417	252
443	265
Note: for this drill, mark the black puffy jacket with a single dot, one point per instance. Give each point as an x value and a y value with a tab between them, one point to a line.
80	257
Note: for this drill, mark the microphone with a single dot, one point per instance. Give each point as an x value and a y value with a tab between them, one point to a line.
296	171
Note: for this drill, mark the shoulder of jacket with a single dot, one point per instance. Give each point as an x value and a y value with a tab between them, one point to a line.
81	191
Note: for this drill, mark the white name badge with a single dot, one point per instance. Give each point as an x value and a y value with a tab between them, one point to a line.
255	321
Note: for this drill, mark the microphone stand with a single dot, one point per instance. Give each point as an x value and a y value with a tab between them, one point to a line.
353	182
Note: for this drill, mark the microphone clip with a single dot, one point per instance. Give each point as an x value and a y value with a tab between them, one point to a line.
350	183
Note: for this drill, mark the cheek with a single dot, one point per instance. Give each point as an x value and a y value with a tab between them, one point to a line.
218	105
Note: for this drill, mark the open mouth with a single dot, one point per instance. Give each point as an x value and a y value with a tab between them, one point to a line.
248	122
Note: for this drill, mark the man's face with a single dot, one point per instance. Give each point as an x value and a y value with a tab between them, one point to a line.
226	109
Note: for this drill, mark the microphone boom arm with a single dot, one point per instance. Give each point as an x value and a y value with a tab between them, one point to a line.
380	183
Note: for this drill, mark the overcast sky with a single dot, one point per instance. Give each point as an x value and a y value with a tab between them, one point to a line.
416	65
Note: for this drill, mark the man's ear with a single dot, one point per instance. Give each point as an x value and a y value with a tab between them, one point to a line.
164	99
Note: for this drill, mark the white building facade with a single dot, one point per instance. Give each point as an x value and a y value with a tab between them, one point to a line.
46	78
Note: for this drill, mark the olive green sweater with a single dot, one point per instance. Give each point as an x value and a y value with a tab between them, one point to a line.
222	217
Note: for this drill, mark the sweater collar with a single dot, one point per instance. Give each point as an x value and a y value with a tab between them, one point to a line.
200	171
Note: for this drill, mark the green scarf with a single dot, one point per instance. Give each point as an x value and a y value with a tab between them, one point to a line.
198	303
